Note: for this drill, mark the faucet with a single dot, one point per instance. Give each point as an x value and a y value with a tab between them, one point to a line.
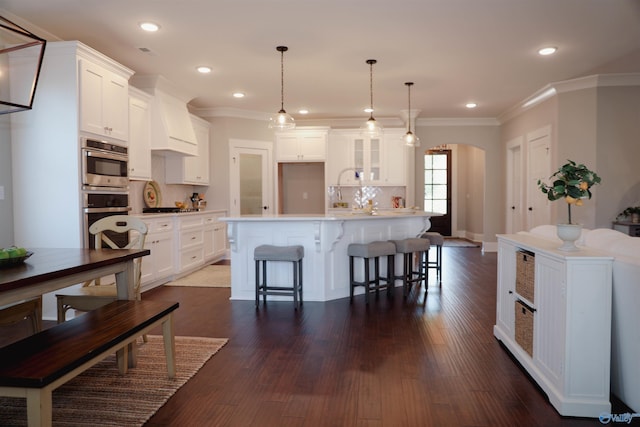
339	190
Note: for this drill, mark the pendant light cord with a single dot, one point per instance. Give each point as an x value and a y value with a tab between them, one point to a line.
282	50
371	62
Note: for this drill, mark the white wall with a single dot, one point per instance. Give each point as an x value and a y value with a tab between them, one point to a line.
6	205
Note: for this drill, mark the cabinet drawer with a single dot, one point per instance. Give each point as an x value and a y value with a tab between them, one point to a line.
524	327
191	258
189	239
186	223
525	274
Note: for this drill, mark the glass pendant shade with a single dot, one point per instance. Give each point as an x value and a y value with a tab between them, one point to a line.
371	127
281	120
410	139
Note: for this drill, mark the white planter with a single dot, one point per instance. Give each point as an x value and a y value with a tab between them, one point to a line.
569	233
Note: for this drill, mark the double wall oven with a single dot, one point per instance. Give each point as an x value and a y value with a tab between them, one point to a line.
105	185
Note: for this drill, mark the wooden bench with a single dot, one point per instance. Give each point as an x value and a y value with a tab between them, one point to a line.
33	367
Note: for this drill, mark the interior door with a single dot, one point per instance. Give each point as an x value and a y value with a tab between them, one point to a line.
539	165
251	183
515	175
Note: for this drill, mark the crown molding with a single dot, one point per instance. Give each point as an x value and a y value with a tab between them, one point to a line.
453	121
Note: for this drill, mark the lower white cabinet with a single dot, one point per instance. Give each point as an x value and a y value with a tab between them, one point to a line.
181	243
159	264
561	335
215	237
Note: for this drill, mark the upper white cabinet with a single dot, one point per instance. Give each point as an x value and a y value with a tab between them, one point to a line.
380	161
139	135
104	99
192	170
301	145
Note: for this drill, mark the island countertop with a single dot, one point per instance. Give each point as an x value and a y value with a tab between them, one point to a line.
325	239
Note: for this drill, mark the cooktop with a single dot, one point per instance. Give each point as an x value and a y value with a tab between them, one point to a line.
167	210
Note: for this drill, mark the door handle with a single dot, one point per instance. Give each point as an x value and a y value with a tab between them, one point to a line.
265	207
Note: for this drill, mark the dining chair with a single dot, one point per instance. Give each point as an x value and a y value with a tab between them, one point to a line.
93	294
29	309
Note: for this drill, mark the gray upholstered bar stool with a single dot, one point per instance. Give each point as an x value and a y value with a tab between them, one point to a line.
408	248
435	239
269	253
368	251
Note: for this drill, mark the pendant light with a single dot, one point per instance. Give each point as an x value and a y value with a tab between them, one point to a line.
282	120
410	139
371	127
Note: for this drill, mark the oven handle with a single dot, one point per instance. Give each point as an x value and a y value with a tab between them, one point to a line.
105	155
104	210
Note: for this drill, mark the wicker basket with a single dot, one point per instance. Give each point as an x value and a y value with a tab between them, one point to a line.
525	275
524	327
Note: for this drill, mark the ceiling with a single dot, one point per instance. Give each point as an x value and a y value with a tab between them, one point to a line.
454	51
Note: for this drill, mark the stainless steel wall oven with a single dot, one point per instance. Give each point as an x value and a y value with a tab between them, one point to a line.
100	205
105	166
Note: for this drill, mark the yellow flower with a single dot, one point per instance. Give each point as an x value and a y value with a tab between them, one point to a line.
571	200
584	185
579	202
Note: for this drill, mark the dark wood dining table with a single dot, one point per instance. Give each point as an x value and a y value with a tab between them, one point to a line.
50	269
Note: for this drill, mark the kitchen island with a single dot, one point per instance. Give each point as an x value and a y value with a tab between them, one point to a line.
325	240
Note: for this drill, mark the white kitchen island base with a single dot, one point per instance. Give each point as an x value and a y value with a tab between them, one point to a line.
325	240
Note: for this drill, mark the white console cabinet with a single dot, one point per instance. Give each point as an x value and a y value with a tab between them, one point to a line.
571	321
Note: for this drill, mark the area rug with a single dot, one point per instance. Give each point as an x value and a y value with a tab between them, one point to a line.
211	276
460	243
100	396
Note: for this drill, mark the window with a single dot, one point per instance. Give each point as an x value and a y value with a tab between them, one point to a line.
435	182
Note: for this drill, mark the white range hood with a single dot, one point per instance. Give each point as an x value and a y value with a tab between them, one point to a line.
171	128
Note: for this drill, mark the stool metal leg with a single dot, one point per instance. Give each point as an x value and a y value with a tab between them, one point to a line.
351	275
300	279
367	280
295	285
257	283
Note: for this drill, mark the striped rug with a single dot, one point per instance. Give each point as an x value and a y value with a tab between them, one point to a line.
100	396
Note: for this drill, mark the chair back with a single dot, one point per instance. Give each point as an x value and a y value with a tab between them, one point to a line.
137	230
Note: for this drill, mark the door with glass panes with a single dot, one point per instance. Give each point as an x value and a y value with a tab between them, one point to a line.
437	189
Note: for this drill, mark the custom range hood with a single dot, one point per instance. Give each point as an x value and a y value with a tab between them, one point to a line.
171	129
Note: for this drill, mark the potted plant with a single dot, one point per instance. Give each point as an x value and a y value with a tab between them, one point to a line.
572	182
632	212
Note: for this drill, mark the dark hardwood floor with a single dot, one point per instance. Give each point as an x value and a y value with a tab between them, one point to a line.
394	363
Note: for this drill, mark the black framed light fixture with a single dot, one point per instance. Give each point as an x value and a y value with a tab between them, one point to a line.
371	127
282	120
410	139
21	54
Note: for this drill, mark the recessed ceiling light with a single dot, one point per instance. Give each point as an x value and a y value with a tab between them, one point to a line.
547	51
238	95
303	111
471	105
203	69
149	26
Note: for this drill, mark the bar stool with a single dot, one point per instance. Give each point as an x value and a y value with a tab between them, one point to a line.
435	239
269	253
409	247
368	251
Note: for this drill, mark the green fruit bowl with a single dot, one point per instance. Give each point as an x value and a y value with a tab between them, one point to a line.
10	262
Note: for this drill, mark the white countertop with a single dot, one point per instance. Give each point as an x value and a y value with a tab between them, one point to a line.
334	216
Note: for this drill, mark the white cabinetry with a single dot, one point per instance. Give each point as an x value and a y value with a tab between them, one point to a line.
192	170
104	99
139	135
301	145
159	264
381	161
571	311
190	242
215	237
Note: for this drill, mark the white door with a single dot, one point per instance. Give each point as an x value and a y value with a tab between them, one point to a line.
538	206
251	182
515	195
